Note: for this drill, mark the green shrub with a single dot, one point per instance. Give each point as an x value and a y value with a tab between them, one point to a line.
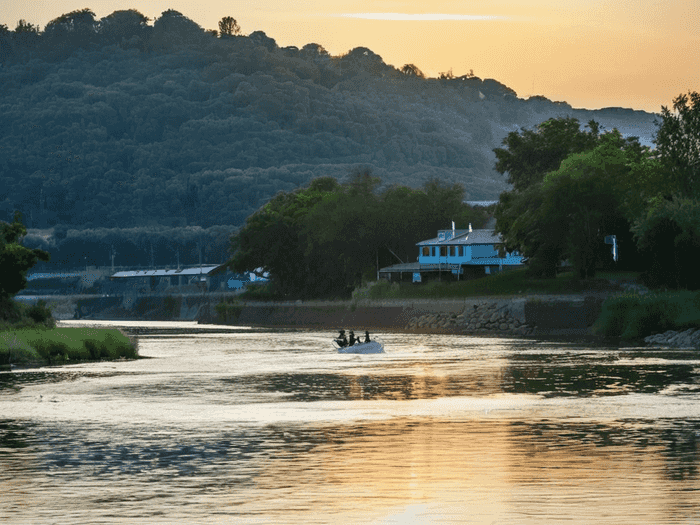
634	316
229	310
40	313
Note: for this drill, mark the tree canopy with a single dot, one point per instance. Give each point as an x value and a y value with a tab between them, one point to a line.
530	153
566	212
15	259
572	189
678	143
228	26
322	240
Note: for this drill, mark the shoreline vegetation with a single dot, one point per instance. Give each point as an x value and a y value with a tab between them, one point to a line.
39	346
628	311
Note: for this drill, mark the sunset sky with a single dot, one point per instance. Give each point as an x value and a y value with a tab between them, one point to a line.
638	54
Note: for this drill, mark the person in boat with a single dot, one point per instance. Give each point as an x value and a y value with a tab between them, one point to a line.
342	340
353	340
367	339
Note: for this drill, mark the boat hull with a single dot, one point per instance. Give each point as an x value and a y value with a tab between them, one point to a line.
373	347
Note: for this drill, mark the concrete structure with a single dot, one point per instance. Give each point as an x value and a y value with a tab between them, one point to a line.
468	253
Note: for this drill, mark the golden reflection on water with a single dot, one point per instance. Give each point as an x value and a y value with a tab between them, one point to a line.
269	428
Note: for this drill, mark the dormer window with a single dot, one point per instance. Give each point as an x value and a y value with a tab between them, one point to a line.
441	236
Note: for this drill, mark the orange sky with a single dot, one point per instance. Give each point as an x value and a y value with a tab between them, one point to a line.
637	54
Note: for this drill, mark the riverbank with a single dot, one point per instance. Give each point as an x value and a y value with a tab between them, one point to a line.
545	315
627	314
63	345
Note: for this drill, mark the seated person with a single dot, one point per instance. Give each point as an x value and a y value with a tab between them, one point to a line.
353	340
367	339
342	340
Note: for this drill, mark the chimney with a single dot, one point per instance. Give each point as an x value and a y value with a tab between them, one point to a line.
470	227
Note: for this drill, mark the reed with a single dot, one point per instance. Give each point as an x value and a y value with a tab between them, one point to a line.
64	345
634	316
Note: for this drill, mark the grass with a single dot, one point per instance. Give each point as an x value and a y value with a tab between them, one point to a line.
64	345
512	282
633	316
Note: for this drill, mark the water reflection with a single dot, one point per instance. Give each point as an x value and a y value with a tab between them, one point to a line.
597	375
244	428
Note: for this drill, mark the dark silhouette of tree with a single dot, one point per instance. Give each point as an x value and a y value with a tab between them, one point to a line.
26	35
15	259
678	143
122	26
228	27
446	75
75	29
529	154
412	70
173	29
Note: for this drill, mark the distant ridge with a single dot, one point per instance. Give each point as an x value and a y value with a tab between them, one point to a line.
173	127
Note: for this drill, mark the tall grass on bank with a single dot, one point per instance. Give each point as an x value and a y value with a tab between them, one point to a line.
634	316
64	345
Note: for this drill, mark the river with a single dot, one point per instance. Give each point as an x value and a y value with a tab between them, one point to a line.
223	425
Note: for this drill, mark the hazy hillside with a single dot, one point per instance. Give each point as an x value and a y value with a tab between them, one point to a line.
168	125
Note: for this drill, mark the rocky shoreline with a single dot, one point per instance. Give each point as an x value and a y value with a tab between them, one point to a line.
687	339
481	318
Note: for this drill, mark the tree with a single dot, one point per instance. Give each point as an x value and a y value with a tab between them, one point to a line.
75	29
228	27
412	70
26	34
678	144
668	236
122	26
272	239
574	207
529	154
15	259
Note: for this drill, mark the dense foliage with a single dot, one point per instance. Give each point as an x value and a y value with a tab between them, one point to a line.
120	123
322	240
634	316
573	188
15	259
142	246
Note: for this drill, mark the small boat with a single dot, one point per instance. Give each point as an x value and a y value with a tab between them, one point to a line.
373	347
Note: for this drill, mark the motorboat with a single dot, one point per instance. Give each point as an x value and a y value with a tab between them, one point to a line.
373	347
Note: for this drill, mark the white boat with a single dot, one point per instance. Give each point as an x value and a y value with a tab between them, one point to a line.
373	347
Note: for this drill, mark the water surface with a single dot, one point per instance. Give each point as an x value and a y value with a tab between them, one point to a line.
254	426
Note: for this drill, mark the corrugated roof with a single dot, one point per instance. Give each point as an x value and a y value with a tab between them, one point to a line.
204	270
465	237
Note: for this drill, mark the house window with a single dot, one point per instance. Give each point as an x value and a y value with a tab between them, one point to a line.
443	251
433	250
461	251
452	251
426	251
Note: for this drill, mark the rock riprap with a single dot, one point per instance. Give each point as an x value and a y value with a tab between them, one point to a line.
689	338
482	318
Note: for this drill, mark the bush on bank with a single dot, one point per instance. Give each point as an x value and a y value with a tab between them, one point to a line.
64	345
511	282
17	315
634	316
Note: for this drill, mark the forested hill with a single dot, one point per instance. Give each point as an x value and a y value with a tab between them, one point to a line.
119	123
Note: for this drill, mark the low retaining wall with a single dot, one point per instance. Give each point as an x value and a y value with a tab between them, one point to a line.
521	316
507	316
